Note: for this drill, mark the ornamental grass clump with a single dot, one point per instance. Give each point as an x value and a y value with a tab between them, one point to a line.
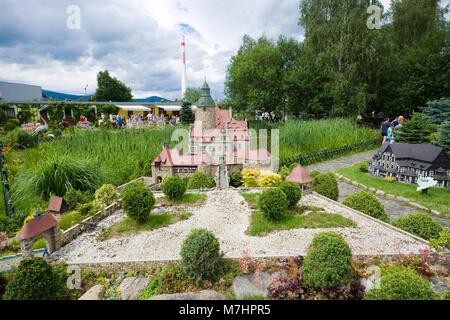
400	283
326	185
174	187
138	201
273	204
367	203
328	262
201	258
292	192
420	224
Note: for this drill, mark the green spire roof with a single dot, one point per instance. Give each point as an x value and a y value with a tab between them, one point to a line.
206	100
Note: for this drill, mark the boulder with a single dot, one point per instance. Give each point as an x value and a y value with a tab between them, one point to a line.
255	284
440	285
95	293
132	287
439	270
202	295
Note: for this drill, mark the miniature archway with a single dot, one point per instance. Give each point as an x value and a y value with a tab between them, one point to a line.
45	226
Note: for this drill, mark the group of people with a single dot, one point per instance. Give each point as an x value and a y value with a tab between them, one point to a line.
388	128
134	120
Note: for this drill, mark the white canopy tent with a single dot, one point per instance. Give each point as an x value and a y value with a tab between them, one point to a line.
135	108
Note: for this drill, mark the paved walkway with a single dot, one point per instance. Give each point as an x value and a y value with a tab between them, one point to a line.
227	215
333	165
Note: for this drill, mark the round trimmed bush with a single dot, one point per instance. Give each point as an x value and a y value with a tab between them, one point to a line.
292	192
326	185
367	203
419	224
401	284
199	180
201	257
273	203
34	279
173	187
138	201
328	262
236	179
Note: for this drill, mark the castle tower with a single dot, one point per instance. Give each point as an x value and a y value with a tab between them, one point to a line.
206	109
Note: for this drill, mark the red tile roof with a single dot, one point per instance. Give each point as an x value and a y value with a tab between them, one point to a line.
55	204
37	226
299	175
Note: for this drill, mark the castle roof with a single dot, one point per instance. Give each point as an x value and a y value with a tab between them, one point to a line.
205	99
37	226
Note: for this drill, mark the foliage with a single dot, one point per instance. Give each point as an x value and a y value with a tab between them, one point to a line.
364	167
401	284
19	139
3	283
192	95
187	200
438	111
441	243
419	224
313	174
186	114
111	89
417	130
367	203
201	257
326	185
292	192
173	187
236	179
273	203
199	180
106	195
88	209
269	180
250	177
10	225
284	172
70	219
328	262
444	137
107	109
12	124
34	279
138	201
390	179
74	197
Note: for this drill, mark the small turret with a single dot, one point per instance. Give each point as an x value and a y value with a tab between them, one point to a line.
206	109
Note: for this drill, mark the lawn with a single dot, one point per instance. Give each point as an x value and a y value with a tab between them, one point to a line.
437	198
130	226
189	200
304	217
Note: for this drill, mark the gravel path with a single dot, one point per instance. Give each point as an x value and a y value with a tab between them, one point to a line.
227	215
333	165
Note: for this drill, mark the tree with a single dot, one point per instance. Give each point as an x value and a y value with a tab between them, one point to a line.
444	136
192	95
419	129
438	111
186	114
111	89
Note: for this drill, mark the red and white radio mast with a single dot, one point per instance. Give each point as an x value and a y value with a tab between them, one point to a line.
183	71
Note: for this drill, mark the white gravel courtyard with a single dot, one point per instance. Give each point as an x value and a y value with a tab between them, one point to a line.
227	215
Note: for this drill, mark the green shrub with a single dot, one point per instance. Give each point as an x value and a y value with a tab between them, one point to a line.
173	187
326	185
138	201
12	124
201	258
74	198
443	242
106	195
236	179
34	279
199	180
328	262
284	172
313	174
400	283
419	224
3	283
88	209
70	219
12	224
364	167
292	192
19	139
273	203
367	203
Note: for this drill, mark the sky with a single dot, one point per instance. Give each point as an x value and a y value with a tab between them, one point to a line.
42	42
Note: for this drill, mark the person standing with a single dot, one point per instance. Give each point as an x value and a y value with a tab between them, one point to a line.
391	134
384	129
119	121
396	122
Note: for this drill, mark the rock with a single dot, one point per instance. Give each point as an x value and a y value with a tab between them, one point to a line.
252	285
132	287
363	186
356	184
380	193
440	284
417	206
367	283
439	270
390	196
372	189
202	295
435	212
95	293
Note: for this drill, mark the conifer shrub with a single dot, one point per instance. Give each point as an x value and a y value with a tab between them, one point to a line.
292	192
419	129
273	203
328	262
173	187
326	185
367	203
420	224
201	258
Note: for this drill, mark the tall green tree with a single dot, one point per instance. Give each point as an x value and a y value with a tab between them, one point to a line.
419	129
444	136
186	114
111	89
192	95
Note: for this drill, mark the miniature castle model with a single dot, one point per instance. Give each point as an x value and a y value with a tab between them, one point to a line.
218	145
408	162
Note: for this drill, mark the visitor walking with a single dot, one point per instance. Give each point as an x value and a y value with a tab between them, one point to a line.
45	253
401	119
119	121
391	134
384	129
